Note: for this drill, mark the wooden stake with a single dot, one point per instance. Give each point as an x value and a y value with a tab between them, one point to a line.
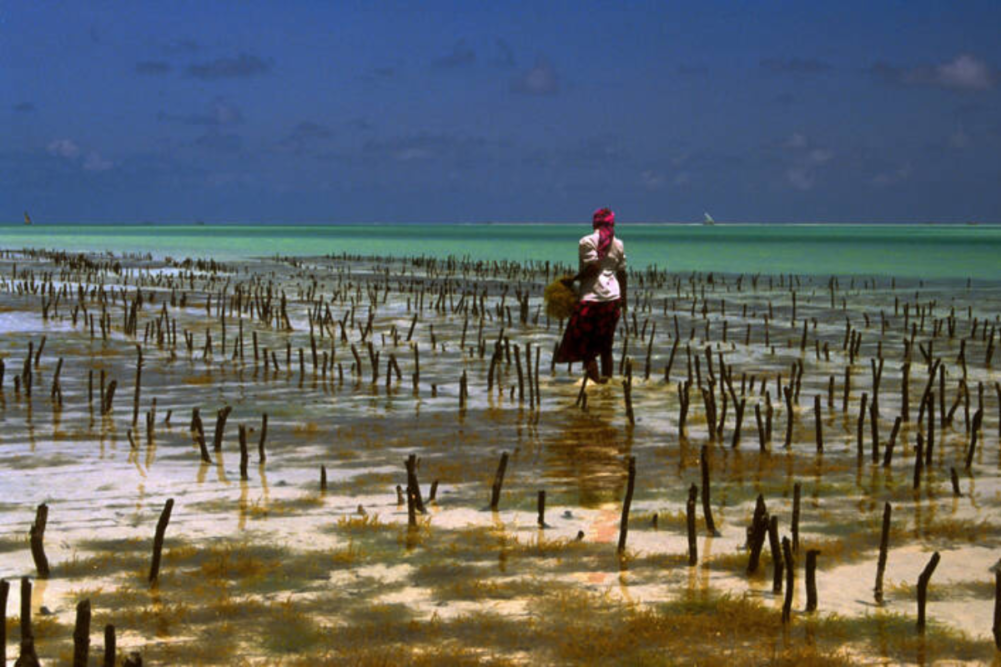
884	539
161	529
707	511
37	535
923	580
693	547
811	579
624	521
81	634
495	490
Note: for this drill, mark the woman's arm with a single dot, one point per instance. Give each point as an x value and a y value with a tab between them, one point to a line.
590	270
623	287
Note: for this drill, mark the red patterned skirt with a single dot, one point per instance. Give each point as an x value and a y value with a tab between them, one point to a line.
589	331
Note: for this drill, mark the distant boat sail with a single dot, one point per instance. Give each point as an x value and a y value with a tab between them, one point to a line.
27	218
709	220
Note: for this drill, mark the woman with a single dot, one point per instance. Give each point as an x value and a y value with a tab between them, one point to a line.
602	276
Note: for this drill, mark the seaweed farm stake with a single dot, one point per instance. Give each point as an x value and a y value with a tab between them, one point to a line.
323	479
109	646
81	634
923	580
954	478
978	419
5	591
261	455
795	516
693	548
624	521
244	456
707	511
811	579
883	545
758	533
541	504
819	427
888	452
413	487
161	529
199	431
28	657
761	430
790	568
996	627
220	426
776	550
37	534
495	490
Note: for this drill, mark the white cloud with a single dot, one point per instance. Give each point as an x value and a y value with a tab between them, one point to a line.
819	156
888	178
805	161
95	162
800	177
965	72
539	80
65	148
796	140
959	139
652	180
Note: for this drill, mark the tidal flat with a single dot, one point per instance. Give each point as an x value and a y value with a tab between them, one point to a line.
277	401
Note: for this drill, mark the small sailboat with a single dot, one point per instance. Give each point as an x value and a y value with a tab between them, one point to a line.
27	218
708	219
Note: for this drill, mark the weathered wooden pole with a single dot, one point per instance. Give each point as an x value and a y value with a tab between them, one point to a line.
244	455
109	646
996	628
81	634
161	529
884	540
811	579
261	454
28	657
495	490
707	511
37	535
776	550
693	547
220	427
758	533
413	487
794	529
624	521
818	424
4	593
923	580
541	504
790	568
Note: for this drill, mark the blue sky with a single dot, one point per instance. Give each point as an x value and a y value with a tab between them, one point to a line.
514	111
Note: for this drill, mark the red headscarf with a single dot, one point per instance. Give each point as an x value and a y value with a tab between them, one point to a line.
604	221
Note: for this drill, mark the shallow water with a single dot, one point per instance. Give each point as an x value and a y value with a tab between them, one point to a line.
104	496
917	251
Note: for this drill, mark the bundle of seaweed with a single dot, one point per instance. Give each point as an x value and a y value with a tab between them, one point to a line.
561	298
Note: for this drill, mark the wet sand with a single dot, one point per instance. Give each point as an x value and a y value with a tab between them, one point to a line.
273	569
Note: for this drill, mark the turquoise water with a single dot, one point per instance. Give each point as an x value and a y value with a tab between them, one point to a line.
924	251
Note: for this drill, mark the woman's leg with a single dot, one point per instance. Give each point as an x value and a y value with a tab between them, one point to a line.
606	360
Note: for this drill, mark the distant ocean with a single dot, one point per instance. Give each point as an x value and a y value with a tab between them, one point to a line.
915	251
